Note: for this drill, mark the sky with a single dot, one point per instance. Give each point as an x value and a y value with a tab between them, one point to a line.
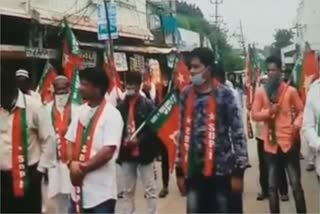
260	18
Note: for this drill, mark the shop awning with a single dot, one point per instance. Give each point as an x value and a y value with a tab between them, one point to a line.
22	52
144	49
127	28
134	49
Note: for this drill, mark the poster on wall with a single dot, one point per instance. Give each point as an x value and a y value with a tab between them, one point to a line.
89	58
120	61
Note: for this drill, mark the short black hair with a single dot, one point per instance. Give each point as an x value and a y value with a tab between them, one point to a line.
205	55
134	78
97	77
274	59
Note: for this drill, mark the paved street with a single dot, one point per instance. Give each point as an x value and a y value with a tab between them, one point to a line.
174	203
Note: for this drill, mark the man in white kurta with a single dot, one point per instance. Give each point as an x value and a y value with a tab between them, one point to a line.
311	121
59	186
35	140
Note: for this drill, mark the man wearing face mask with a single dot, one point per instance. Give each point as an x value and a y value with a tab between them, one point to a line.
273	105
212	151
24	148
60	112
137	154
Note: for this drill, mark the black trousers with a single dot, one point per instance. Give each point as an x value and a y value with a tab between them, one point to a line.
208	194
236	202
263	171
31	202
292	164
165	166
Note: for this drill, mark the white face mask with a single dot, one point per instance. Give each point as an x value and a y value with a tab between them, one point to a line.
61	99
130	92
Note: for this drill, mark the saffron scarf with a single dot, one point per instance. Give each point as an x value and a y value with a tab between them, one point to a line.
60	125
83	146
189	156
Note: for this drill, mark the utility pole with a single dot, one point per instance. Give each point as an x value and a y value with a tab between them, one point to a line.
216	4
242	39
109	42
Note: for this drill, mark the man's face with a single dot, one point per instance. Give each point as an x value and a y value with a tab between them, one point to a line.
23	84
132	89
274	73
88	90
198	68
61	87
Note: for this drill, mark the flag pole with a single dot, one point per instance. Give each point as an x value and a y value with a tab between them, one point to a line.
173	72
109	44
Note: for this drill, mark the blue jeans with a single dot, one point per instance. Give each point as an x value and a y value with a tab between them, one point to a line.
208	194
105	207
291	160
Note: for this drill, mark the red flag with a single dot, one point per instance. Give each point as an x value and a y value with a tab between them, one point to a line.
71	53
45	87
310	72
113	75
182	76
70	62
165	122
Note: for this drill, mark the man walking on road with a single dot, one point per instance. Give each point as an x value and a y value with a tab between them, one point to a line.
137	154
60	112
94	139
263	166
273	105
211	164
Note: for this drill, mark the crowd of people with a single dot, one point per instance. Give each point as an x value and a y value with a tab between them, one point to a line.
83	148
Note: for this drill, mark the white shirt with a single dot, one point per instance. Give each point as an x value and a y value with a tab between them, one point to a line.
59	176
235	93
39	138
100	185
311	120
35	95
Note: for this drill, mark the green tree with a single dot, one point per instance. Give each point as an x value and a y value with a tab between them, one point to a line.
283	38
190	17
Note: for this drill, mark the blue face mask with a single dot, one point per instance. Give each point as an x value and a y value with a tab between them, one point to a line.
197	79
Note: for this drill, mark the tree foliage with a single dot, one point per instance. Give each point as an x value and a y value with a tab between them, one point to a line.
190	17
283	38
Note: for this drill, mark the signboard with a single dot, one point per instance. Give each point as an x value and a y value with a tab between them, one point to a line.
120	61
102	22
42	53
89	58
